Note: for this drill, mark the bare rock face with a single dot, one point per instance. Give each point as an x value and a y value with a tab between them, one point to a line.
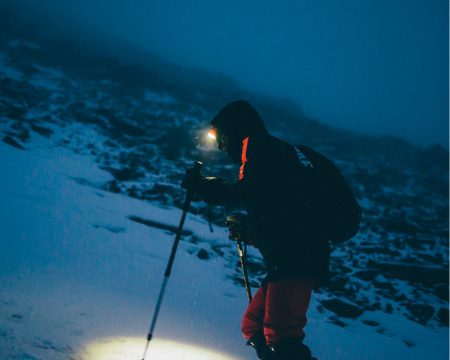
443	316
10	141
203	254
342	308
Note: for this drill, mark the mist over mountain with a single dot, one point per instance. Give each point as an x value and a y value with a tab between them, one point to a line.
75	47
374	69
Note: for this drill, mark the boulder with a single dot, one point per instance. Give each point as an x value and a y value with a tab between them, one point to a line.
428	276
10	141
203	254
342	308
443	316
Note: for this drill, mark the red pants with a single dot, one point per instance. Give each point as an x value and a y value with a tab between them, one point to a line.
279	310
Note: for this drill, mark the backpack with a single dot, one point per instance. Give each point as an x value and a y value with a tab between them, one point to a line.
333	202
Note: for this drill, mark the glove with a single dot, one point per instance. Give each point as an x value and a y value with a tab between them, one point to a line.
237	224
193	181
240	229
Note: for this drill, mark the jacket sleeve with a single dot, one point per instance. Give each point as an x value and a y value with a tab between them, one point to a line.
218	191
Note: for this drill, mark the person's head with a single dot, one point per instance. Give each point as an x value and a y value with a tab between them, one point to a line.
234	123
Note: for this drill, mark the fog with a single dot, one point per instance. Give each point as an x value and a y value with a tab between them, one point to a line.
375	67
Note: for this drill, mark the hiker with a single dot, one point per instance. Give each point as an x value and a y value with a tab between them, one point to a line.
275	186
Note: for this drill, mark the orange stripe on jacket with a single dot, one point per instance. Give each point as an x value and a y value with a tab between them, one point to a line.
243	158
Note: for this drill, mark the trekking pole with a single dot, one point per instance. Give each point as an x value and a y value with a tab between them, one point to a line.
186	205
244	270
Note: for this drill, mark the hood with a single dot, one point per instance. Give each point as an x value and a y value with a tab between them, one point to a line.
239	120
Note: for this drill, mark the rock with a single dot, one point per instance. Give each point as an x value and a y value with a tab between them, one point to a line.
16	317
367	275
127	174
389	308
335	320
422	312
133	192
159	225
162	189
218	249
10	141
41	130
441	291
158	189
203	254
114	187
381	282
426	275
337	283
402	226
371	322
443	315
342	308
374	307
409	343
400	298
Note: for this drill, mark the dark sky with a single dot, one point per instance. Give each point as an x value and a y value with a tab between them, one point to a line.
376	67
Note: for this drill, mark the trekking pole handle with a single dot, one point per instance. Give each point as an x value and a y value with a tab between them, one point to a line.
189	196
198	165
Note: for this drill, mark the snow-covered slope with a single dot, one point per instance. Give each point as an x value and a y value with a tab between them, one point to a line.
80	279
93	152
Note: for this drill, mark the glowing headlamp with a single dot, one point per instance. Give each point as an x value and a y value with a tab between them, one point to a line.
212	133
220	138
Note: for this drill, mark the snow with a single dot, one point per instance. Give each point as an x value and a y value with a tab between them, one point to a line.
75	268
116	348
79	279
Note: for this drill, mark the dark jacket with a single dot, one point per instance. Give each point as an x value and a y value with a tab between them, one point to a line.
275	186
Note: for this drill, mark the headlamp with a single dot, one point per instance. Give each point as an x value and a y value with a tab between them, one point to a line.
221	140
212	133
